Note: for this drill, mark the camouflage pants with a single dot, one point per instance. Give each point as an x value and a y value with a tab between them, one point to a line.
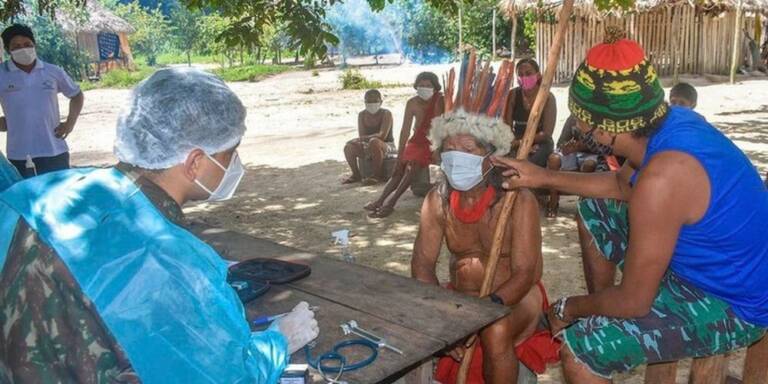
684	321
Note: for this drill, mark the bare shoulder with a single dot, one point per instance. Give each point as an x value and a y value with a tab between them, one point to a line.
432	207
672	167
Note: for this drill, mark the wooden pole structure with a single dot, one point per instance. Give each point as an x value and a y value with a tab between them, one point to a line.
461	43
522	154
493	38
512	45
736	42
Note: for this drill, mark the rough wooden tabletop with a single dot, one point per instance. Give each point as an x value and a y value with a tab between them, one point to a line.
417	318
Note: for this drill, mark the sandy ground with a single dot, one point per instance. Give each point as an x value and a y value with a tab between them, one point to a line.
298	124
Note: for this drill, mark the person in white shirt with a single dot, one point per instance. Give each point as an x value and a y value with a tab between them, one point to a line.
28	96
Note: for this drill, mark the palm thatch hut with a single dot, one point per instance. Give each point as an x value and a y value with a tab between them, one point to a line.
679	36
102	36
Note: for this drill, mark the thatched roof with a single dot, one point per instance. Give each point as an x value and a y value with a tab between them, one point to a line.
99	19
511	7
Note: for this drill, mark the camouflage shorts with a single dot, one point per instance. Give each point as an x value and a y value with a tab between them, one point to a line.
683	322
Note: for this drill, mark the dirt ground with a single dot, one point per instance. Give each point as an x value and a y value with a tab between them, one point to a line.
297	126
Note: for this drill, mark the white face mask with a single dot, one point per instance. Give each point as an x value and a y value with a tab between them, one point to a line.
232	176
24	56
425	92
463	170
372	107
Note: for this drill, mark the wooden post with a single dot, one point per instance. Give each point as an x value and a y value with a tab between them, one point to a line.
661	373
708	370
736	42
461	42
493	38
522	154
755	367
512	41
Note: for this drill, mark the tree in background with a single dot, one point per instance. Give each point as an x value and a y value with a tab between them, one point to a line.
187	30
152	30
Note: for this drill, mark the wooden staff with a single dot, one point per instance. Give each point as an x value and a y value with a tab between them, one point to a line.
522	154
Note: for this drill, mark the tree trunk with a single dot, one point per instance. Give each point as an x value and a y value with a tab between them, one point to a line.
736	43
461	42
493	36
189	58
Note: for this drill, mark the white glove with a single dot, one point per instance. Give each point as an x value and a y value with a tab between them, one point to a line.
299	327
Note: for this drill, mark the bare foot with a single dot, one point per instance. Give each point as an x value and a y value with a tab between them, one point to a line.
351	180
552	209
382	212
372	206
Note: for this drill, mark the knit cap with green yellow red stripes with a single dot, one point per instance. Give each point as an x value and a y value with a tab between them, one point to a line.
616	89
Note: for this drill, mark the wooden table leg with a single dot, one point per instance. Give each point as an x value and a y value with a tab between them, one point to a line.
422	374
661	373
756	363
708	370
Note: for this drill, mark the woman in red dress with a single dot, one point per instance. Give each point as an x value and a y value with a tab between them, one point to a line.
415	153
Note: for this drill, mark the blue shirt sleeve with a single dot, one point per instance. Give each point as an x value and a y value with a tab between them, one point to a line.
268	355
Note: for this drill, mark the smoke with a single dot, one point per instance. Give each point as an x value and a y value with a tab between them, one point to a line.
407	27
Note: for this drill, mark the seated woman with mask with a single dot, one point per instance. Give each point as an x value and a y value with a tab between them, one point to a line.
518	108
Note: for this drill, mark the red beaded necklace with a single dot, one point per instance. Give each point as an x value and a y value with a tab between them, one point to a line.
474	214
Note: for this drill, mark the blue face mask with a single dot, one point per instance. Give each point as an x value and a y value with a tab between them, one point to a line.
463	170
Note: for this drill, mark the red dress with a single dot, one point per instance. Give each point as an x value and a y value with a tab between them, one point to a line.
417	149
535	352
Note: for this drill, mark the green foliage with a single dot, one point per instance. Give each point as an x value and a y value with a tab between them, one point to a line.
427	33
186	27
249	72
54	46
119	78
353	79
529	28
11	9
152	30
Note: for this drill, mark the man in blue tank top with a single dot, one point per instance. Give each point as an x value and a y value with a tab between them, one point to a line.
99	279
684	219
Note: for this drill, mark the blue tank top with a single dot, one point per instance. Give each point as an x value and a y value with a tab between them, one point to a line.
726	252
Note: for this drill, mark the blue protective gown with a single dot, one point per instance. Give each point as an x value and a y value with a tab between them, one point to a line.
160	291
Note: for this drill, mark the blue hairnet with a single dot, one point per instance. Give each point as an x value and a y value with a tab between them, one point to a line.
175	111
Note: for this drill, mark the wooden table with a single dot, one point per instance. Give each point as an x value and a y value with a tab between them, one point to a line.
418	318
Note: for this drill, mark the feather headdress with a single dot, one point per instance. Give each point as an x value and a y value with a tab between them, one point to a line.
476	110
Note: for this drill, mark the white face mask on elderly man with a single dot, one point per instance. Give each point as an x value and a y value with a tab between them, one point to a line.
463	170
24	56
232	176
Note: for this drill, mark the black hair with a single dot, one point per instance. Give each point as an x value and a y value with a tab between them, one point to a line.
429	76
372	92
685	91
16	30
530	62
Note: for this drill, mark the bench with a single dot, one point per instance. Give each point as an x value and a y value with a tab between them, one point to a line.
714	369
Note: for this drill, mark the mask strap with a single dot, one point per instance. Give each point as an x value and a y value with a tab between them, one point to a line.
492	166
219	164
199	184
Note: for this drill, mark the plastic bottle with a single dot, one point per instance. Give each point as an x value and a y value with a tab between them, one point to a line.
341	238
31	165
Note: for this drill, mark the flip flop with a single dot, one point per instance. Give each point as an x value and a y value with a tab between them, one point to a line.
382	212
552	210
351	180
371	181
372	206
